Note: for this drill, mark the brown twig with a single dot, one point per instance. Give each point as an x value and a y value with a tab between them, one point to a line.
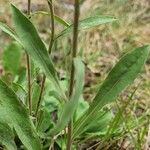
29	69
74	53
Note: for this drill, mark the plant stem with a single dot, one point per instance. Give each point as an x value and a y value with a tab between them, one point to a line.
50	4
29	7
29	69
40	96
74	53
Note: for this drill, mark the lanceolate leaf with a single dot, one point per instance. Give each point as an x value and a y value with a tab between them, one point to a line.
33	44
61	21
57	18
15	115
71	105
9	31
7	137
88	23
123	74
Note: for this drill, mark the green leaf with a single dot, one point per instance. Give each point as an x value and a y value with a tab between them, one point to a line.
88	23
61	21
9	31
15	115
20	92
45	122
22	76
72	104
100	123
7	137
11	58
35	95
123	74
33	44
81	109
57	18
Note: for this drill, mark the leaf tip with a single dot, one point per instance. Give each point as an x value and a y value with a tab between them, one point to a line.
12	6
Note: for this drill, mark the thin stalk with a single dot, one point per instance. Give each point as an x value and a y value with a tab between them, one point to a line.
40	96
50	4
29	7
74	53
29	69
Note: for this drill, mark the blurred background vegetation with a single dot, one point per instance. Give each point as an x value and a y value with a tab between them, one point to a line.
100	47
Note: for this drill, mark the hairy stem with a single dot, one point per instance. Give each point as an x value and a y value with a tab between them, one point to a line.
50	4
74	53
29	69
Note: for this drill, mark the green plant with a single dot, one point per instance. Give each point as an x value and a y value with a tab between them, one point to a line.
77	119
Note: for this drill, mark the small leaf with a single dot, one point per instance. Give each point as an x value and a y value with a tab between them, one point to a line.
81	109
61	21
7	137
100	123
33	44
9	31
11	58
35	95
20	92
57	18
88	23
15	115
45	122
22	76
123	74
72	104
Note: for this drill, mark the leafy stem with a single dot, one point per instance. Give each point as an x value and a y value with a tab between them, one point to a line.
74	53
50	4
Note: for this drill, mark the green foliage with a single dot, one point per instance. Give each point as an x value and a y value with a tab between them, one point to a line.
57	18
7	137
11	58
33	44
14	113
71	105
123	74
88	120
88	23
9	31
45	123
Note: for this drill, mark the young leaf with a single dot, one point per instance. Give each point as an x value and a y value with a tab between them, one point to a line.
35	95
72	104
9	31
33	44
15	115
61	21
81	109
45	122
20	92
100	123
88	23
57	18
11	57
123	74
7	137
